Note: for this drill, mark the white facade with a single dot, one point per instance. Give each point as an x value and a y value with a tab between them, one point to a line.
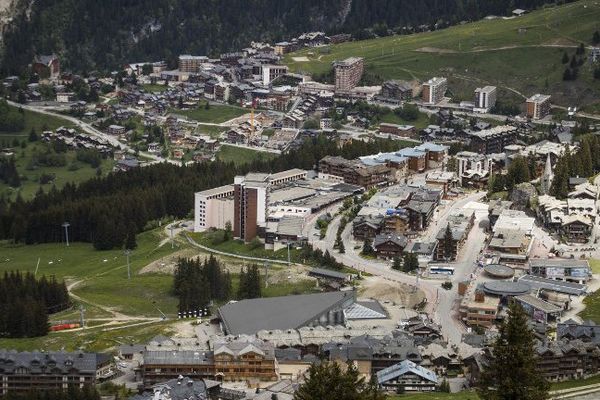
271	72
213	208
434	90
473	164
65	97
485	99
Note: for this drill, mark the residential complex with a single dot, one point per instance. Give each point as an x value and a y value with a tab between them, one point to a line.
538	106
347	73
492	140
191	64
485	99
434	90
46	371
272	72
214	208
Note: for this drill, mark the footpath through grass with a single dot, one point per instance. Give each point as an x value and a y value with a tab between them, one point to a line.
522	53
103	274
73	171
214	240
91	339
37	121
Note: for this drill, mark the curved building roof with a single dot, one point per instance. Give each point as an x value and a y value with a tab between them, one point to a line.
499	271
506	288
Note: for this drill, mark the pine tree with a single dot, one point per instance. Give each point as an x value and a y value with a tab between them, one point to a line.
596	38
130	240
410	262
585	157
367	248
228	231
327	381
33	137
565	58
397	263
341	248
448	243
511	373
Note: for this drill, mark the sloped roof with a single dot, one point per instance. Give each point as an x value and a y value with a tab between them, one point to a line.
404	367
252	315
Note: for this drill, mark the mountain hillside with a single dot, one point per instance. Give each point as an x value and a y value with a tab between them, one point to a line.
91	34
522	55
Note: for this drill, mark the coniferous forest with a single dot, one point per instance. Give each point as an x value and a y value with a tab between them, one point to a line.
93	35
26	302
196	283
105	211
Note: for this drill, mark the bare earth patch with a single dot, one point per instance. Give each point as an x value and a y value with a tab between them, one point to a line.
560	42
380	289
435	50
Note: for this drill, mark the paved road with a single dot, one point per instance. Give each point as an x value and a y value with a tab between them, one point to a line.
242	257
441	304
87	128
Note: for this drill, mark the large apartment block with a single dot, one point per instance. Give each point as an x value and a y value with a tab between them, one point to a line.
485	99
354	172
538	106
434	90
213	208
272	72
242	204
492	140
348	73
45	371
250	204
191	64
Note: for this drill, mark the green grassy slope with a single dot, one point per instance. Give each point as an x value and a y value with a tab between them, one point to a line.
240	156
30	177
215	114
520	53
38	122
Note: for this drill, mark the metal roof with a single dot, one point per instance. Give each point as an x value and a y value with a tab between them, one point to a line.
405	367
50	363
536	282
329	273
506	288
286	312
174	357
559	262
539	304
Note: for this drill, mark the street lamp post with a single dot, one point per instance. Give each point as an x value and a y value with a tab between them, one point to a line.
127	253
66	226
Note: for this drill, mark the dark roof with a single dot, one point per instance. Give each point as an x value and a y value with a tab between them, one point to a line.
329	273
587	330
536	282
424	207
181	388
398	240
131	348
35	361
506	288
287	312
559	262
425	248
